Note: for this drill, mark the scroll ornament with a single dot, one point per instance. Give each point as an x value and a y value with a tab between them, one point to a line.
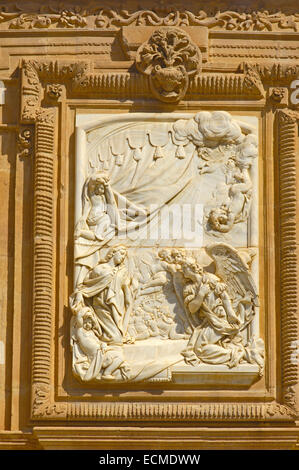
169	58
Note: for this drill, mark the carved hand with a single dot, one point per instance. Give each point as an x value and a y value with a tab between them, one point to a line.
204	290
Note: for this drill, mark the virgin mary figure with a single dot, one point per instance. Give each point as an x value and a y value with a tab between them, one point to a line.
105	213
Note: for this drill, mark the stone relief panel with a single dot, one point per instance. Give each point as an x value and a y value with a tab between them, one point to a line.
166	250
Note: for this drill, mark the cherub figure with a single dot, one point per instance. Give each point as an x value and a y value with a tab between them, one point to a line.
137	328
92	358
235	207
166	325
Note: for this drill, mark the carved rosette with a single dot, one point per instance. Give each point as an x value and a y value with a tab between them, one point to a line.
169	58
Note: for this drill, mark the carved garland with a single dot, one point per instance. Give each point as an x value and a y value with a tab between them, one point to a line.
43	404
18	18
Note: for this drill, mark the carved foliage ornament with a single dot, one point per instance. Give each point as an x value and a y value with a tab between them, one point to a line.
42	405
17	17
230	20
169	58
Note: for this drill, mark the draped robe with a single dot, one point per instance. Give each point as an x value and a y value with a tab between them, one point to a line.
107	292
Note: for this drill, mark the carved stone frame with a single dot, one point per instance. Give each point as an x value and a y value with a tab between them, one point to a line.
43	97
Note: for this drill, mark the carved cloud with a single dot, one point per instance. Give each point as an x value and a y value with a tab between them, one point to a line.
208	129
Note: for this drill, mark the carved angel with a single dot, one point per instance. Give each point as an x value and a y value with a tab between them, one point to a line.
233	270
224	302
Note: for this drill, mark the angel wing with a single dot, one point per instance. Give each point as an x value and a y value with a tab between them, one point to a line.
233	271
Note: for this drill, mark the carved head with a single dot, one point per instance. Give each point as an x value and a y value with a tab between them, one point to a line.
221	219
97	182
247	151
117	253
191	269
178	256
165	255
88	321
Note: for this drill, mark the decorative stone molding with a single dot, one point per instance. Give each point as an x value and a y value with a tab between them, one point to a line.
43	406
79	78
250	51
53	16
43	269
227	20
168	437
274	73
180	412
169	58
76	86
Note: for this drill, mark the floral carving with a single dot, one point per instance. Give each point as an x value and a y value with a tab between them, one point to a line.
276	409
273	73
25	21
61	19
290	396
42	406
169	58
31	91
252	80
228	20
288	117
71	19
